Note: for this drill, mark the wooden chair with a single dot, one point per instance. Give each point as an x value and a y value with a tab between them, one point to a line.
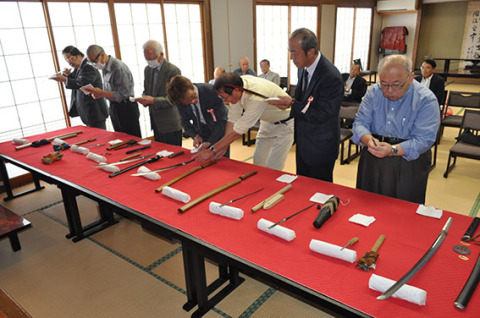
458	99
471	122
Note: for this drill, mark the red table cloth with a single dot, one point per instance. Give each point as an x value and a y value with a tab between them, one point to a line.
408	235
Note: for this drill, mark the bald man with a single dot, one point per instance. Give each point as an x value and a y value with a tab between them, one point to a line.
216	73
244	68
397	121
164	115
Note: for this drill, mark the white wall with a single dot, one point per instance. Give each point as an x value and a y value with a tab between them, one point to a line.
327	31
232	32
408	20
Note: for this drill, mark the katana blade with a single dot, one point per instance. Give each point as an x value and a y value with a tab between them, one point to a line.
122	162
163	169
243	196
425	258
153	159
288	217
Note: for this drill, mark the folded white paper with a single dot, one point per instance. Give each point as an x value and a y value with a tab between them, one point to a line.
361	219
78	149
280	231
286	178
133	99
429	211
320	197
164	153
83	89
406	292
110	168
333	250
20	141
228	211
176	194
116	141
95	157
145	142
152	175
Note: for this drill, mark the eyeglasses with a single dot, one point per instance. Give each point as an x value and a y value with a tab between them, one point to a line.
70	58
394	87
96	57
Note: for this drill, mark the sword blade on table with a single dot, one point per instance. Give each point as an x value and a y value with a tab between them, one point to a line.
288	217
95	145
243	196
425	258
138	164
122	162
163	169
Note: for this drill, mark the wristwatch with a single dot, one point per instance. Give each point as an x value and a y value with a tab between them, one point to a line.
394	150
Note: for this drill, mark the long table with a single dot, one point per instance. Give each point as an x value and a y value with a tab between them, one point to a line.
240	246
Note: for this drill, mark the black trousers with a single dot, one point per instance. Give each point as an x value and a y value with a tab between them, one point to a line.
124	116
170	138
321	171
394	176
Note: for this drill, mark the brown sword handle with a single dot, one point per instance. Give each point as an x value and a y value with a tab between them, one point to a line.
183	175
131	156
215	191
173	155
281	191
378	243
248	175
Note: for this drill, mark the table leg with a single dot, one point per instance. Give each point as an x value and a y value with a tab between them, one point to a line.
14	241
8	187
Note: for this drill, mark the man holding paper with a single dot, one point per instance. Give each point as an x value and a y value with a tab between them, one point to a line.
203	113
248	97
164	116
118	81
92	112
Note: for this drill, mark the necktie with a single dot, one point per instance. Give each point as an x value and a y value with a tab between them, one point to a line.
154	78
197	116
305	81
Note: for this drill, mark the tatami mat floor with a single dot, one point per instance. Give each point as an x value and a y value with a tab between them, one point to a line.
124	271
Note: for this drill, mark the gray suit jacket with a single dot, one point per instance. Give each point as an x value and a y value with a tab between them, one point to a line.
163	113
90	110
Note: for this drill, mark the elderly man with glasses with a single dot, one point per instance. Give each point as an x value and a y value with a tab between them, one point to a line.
118	88
92	112
397	121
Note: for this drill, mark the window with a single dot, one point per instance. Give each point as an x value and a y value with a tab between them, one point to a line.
302	17
80	24
273	32
352	37
30	103
272	37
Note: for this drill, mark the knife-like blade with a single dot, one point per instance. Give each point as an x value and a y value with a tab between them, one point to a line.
425	258
163	169
243	196
122	162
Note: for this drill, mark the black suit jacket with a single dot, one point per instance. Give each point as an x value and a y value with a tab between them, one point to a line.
359	88
214	112
437	86
89	109
318	130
